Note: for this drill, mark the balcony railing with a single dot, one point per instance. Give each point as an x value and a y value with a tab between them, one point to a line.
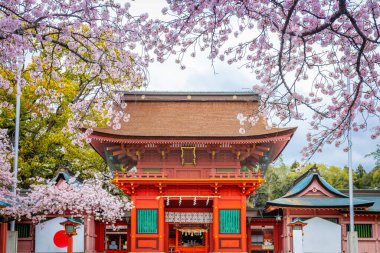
142	175
211	175
235	175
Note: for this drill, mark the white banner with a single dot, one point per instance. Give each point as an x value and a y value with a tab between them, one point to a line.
188	217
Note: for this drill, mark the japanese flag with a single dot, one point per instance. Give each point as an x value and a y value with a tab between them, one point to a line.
51	237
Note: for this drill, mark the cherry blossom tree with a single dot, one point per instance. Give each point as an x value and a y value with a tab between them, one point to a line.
91	43
91	197
303	54
6	176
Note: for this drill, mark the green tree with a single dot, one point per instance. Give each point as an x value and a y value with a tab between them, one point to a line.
44	144
361	180
278	180
375	155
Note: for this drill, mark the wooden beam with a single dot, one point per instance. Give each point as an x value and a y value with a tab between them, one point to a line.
263	148
259	153
111	148
118	152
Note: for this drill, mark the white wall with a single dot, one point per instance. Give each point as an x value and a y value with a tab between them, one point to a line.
322	236
46	231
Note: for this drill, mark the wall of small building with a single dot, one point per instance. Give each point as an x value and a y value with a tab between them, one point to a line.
366	245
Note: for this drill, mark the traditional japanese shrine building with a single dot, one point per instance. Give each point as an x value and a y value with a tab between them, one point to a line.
325	210
187	168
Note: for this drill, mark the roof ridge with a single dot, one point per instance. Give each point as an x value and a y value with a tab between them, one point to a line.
306	179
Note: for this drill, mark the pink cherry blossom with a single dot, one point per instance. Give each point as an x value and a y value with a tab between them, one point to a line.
289	45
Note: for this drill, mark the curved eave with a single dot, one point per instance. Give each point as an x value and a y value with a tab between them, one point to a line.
98	138
362	212
318	206
310	180
315	203
111	137
248	185
4	204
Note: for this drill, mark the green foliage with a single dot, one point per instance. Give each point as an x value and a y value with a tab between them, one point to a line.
375	155
279	177
44	146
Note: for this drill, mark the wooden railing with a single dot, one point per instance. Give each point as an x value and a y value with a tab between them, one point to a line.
216	175
235	175
142	175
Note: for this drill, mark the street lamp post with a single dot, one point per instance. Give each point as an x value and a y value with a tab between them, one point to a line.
297	232
70	229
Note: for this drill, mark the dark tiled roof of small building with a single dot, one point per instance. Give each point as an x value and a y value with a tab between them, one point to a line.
369	195
339	200
318	202
4	204
307	179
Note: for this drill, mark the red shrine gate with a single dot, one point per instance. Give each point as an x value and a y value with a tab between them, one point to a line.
192	169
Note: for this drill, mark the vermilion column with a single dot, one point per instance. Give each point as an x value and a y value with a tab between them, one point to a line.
205	236
3	237
215	223
161	225
176	239
249	234
243	222
133	225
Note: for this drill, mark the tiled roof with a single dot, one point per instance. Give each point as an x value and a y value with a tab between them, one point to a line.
375	199
370	195
196	115
318	202
306	181
66	176
3	204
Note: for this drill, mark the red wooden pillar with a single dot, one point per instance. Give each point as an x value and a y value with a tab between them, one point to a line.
133	225
205	236
3	237
166	238
243	222
249	235
129	235
215	223
100	230
176	240
277	237
161	225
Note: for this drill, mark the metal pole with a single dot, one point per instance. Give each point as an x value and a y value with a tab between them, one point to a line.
17	130
352	236
350	183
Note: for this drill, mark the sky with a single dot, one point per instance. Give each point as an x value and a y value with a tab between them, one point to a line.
200	75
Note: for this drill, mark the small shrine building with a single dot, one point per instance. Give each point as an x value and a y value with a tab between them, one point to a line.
324	209
188	169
